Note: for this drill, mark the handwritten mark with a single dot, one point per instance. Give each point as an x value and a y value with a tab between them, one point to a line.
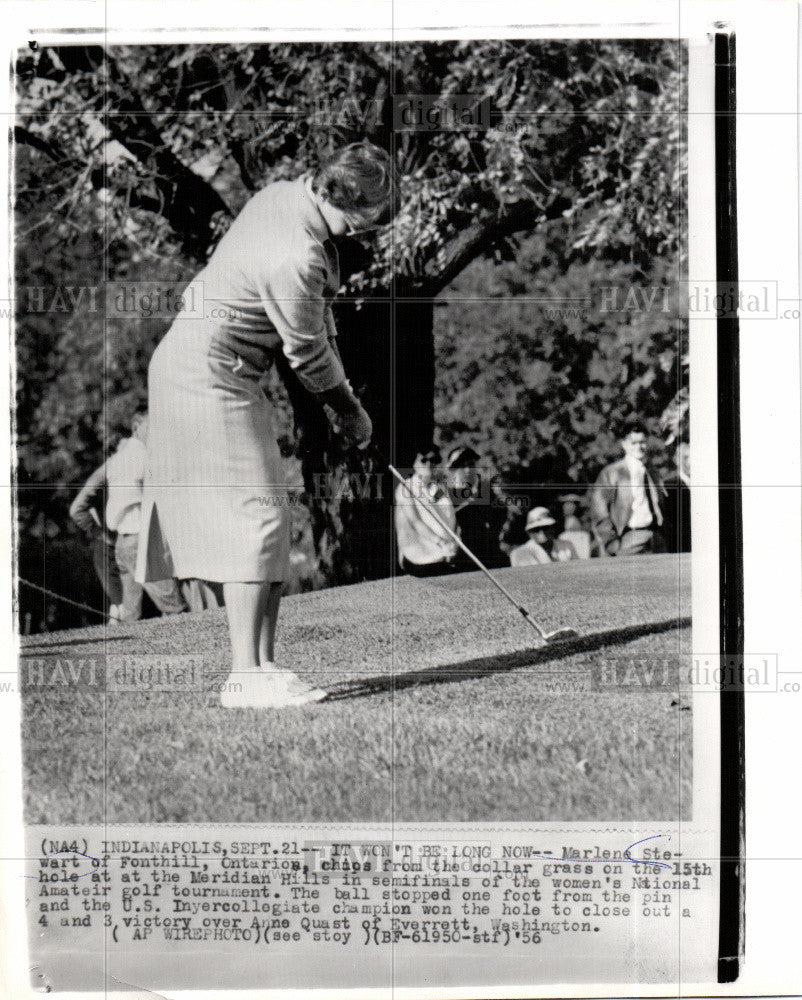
635	861
95	864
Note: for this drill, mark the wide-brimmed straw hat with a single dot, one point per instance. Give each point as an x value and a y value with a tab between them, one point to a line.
538	517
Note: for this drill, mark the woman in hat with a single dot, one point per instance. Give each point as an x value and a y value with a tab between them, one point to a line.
533	552
216	505
542	546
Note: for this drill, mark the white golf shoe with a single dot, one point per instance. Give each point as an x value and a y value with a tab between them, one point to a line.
268	688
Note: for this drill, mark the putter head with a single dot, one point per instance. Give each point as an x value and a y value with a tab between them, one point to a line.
561	635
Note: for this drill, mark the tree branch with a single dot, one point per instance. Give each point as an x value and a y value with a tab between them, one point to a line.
134	197
24	135
485	235
186	200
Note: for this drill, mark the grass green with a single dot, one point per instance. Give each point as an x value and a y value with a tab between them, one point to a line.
442	710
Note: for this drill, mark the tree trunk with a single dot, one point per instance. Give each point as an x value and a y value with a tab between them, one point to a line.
388	353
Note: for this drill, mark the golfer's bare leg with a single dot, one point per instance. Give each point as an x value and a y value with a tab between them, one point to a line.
252	610
267	639
297	692
247	685
244	604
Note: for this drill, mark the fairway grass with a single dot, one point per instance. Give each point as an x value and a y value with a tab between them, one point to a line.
441	709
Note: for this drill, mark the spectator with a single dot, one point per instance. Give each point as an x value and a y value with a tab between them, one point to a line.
541	546
84	512
201	595
479	520
570	502
513	531
124	473
574	533
625	500
677	516
424	548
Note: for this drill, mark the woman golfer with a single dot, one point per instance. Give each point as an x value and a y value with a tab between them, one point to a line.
215	501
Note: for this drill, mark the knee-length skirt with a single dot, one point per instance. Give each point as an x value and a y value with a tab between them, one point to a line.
215	502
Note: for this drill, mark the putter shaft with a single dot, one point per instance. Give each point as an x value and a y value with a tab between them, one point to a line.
544	635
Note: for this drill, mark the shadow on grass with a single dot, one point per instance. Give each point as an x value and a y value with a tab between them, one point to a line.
484	665
57	643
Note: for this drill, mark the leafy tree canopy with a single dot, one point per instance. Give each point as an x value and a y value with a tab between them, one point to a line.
131	161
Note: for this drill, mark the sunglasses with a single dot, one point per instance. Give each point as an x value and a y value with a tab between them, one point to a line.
358	226
362	230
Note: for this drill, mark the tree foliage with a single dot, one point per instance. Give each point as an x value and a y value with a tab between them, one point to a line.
533	361
131	161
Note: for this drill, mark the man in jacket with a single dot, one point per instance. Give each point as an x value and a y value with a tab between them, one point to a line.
625	502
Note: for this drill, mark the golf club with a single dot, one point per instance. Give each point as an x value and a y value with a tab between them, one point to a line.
559	635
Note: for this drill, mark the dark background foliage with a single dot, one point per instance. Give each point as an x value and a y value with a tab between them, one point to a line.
478	317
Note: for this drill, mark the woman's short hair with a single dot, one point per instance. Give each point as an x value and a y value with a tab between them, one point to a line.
429	453
361	179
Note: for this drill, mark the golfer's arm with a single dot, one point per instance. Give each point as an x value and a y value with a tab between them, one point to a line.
292	294
331	332
341	398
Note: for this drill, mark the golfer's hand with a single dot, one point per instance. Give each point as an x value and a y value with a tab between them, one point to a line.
346	414
355	426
